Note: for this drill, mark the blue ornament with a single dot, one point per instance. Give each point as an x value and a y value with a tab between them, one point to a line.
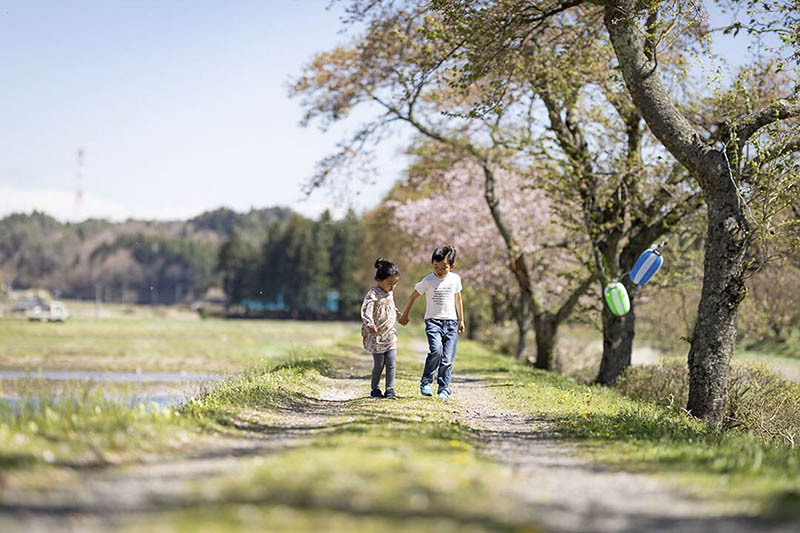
646	266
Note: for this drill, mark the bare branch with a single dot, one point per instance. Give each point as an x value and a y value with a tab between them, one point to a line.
780	110
543	14
535	248
347	152
648	234
567	307
516	256
647	90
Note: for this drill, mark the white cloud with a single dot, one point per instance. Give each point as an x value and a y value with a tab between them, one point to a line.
63	205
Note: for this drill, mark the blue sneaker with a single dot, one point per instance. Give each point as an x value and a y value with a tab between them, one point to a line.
444	395
426	389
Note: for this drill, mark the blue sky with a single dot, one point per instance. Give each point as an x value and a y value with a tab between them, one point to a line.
180	106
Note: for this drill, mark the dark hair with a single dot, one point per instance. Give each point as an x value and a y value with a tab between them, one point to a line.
446	251
385	269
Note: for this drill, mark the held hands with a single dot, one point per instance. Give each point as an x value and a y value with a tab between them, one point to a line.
461	327
403	319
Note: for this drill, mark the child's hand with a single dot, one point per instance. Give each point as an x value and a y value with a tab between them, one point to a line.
461	327
374	329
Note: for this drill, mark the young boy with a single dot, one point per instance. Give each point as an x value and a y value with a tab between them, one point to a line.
444	319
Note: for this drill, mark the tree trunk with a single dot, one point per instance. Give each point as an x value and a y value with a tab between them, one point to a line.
473	323
618	332
499	310
728	230
546	329
522	342
522	318
714	334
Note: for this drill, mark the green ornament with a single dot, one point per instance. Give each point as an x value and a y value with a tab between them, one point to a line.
617	298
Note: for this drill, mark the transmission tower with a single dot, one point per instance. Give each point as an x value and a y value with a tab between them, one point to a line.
79	178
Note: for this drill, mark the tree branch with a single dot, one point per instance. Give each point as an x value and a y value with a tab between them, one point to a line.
567	307
543	14
535	248
666	122
665	193
780	110
515	252
648	234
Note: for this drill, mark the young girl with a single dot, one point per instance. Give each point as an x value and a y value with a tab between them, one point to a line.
379	326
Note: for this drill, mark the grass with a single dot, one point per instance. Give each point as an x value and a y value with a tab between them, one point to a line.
85	431
154	343
749	473
789	348
88	429
389	464
402	464
263	387
394	464
251	517
84	424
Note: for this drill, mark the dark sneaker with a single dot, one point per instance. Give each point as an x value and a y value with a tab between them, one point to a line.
426	390
390	394
376	393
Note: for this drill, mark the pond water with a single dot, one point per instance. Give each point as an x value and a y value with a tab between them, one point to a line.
127	377
171	386
159	400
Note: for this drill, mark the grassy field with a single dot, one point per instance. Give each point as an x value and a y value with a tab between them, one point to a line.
157	341
377	464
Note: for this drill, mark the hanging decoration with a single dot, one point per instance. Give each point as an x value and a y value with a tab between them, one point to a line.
646	266
617	298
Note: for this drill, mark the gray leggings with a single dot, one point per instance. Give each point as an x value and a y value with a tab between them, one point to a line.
389	360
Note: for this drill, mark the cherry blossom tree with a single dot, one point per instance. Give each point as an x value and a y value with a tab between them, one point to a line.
423	73
455	211
397	69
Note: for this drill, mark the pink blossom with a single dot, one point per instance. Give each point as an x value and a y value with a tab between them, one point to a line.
457	213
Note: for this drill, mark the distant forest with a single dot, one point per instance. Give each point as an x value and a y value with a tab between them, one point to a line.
262	255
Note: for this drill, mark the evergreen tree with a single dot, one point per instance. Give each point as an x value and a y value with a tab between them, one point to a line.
347	239
235	261
296	266
319	271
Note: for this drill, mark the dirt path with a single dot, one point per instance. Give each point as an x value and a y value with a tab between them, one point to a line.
564	492
561	491
551	485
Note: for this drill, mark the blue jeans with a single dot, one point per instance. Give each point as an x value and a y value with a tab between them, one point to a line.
442	339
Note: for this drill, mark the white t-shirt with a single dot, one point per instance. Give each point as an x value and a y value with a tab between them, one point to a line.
440	295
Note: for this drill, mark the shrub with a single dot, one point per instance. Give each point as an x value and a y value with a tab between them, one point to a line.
759	400
666	383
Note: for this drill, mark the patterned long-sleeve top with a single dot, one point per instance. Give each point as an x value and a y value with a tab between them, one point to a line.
379	309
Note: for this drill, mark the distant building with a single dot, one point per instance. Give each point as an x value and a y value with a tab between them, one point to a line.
327	303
